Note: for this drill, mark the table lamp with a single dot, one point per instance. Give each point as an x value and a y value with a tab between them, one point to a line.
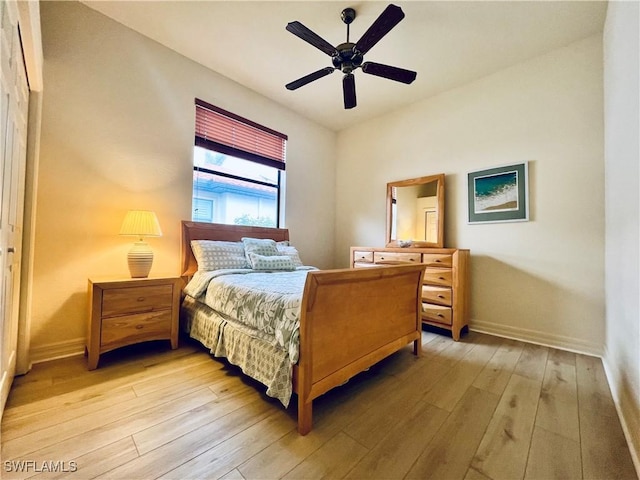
141	223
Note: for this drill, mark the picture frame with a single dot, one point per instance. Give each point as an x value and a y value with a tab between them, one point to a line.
499	194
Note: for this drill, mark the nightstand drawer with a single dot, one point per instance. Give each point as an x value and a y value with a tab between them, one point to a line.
435	313
121	301
134	328
438	276
438	295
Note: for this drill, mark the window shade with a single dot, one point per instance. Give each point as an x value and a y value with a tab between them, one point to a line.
231	134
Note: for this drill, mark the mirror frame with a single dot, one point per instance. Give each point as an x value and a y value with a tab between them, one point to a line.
439	178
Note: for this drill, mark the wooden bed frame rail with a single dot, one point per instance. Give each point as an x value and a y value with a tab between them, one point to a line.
350	318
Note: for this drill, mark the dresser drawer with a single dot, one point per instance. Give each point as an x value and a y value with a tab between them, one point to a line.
121	301
438	295
436	313
437	259
396	257
365	265
362	257
438	276
132	328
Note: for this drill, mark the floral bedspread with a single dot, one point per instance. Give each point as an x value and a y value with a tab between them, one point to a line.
267	302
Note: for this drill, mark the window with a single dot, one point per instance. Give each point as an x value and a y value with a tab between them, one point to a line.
238	169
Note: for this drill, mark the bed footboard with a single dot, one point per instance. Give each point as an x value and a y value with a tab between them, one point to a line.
351	319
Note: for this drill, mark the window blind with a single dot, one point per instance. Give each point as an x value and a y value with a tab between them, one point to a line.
225	132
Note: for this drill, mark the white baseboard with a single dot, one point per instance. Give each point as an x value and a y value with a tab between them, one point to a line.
538	337
629	417
53	351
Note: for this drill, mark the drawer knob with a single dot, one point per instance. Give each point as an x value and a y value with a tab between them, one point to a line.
441	315
139	327
441	278
437	260
440	296
140	299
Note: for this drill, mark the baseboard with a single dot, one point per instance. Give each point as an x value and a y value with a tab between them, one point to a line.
53	351
539	338
629	417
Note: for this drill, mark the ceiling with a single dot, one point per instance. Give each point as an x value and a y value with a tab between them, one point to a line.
448	43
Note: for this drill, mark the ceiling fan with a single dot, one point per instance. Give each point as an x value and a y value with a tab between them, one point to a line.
349	56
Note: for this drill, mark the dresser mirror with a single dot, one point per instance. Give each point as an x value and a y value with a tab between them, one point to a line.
415	212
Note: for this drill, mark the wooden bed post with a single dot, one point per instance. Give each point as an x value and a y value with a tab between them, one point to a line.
305	415
305	361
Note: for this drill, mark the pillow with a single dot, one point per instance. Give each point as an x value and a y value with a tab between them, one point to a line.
259	246
271	262
290	252
216	254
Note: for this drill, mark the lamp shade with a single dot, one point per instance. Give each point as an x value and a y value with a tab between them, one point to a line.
141	223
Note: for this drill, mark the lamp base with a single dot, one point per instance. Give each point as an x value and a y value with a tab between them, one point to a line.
140	259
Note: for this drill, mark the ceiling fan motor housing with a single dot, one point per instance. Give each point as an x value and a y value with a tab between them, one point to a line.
348	57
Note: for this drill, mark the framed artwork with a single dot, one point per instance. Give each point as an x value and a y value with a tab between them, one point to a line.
499	194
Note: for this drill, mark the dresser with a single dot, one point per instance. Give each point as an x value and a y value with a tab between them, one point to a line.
125	311
445	290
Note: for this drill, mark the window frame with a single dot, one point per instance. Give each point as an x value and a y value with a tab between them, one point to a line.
216	140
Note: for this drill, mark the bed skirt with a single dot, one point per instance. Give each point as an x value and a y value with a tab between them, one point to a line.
259	357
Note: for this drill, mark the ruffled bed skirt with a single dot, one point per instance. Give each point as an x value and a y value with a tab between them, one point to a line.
254	352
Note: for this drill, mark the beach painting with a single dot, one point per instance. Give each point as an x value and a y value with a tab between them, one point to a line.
499	194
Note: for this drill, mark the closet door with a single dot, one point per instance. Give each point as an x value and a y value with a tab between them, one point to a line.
14	92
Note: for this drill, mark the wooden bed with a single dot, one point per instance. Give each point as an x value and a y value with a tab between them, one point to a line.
350	319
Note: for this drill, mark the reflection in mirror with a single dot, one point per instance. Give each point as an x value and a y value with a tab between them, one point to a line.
415	212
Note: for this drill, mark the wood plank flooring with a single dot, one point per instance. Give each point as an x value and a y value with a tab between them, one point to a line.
482	408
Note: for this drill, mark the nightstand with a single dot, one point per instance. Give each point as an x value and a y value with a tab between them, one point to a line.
125	311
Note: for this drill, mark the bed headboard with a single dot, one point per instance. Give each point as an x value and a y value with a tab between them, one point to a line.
217	231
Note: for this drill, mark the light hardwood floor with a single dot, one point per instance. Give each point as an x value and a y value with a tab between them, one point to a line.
481	408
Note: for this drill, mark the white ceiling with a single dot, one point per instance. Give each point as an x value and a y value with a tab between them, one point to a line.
449	43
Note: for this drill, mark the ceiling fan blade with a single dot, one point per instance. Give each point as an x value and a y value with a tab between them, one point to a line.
387	71
388	19
314	39
301	82
349	90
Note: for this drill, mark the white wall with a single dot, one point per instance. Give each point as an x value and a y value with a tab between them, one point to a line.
541	280
622	200
117	134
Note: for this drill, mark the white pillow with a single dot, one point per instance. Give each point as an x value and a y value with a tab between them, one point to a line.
291	252
217	254
271	262
259	246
